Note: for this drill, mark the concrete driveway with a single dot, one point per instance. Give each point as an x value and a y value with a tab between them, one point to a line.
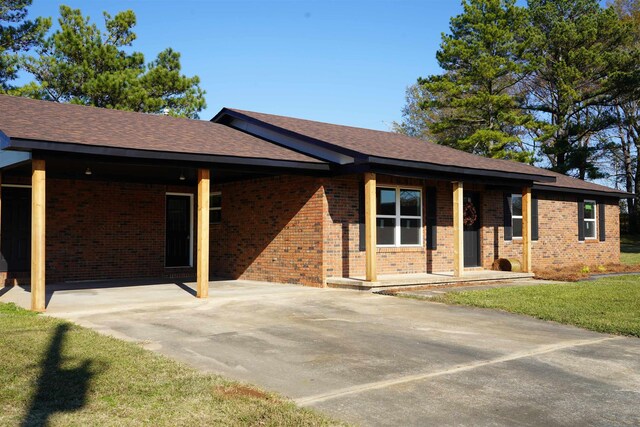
377	360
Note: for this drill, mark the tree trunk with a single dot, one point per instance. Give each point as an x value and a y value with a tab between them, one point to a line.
633	210
628	183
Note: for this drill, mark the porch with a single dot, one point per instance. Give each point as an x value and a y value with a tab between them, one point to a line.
392	281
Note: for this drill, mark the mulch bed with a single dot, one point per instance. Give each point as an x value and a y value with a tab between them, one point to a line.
575	273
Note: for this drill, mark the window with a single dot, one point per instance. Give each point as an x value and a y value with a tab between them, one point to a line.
215	208
589	219
399	216
513	216
516	215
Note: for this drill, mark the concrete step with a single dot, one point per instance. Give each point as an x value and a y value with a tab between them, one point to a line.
414	282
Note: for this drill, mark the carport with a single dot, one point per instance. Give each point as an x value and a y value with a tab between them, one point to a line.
117	194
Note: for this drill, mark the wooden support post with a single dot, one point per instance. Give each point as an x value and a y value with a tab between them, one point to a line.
526	230
38	212
458	229
203	234
370	225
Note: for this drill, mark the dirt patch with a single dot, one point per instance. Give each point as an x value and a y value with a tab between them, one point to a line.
578	272
242	391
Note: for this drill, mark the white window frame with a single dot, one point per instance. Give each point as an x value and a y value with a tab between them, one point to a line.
594	220
216	208
398	217
513	236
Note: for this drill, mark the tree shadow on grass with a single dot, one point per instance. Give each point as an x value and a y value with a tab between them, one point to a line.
58	389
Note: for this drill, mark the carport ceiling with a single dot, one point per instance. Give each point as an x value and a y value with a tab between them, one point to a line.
128	170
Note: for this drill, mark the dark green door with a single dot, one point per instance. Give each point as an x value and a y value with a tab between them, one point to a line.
178	244
471	220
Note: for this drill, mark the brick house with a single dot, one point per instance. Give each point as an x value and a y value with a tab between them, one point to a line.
90	193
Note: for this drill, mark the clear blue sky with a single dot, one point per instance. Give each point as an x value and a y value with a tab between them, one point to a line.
345	62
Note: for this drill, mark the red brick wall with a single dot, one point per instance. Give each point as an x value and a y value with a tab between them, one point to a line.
292	229
271	230
344	255
101	230
558	233
106	230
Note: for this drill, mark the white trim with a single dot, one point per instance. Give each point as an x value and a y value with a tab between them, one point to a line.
190	195
516	216
219	208
16	185
397	232
594	219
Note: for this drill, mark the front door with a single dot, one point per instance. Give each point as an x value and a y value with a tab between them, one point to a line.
16	228
178	245
471	220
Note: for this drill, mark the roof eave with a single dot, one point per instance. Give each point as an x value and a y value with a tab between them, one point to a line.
324	144
30	145
459	170
361	158
603	193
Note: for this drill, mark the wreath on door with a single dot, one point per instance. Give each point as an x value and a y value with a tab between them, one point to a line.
470	215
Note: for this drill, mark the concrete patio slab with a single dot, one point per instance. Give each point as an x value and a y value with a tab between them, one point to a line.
108	295
378	360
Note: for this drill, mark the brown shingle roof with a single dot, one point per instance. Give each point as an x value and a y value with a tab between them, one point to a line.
22	118
400	147
390	145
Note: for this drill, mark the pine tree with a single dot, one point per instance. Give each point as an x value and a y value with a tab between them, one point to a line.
475	104
82	65
17	34
581	50
627	113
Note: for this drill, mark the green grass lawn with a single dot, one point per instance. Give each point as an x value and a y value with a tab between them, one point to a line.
56	373
610	304
630	249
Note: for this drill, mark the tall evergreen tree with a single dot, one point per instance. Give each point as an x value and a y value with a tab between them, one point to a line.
627	113
474	104
80	64
17	34
582	50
